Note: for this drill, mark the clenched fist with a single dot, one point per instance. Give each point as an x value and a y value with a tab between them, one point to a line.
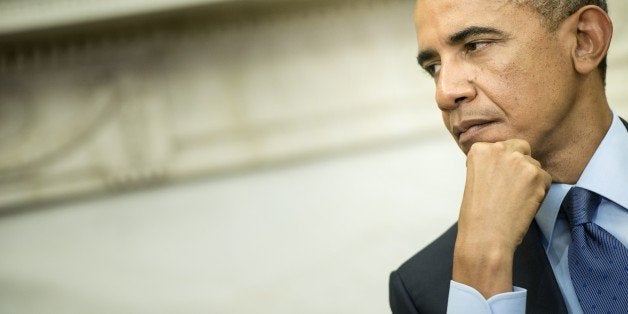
504	189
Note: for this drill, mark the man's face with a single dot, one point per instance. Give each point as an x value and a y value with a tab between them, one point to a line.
499	73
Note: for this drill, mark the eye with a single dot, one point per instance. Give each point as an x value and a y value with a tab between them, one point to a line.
432	69
475	45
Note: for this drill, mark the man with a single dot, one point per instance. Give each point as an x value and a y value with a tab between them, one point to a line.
520	84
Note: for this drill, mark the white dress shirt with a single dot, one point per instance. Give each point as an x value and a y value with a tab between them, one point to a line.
607	175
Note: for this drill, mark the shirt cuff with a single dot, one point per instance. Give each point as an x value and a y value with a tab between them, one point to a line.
465	299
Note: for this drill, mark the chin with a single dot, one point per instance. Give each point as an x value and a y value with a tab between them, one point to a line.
466	145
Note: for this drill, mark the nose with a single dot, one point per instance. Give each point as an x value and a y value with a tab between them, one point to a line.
454	86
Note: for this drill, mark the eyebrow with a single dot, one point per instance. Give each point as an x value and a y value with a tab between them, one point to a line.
458	38
464	34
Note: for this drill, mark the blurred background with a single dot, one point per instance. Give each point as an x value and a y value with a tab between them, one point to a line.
220	156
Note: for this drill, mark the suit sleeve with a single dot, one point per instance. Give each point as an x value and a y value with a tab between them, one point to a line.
400	301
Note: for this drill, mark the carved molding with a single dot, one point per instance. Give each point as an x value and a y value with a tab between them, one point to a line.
161	104
22	15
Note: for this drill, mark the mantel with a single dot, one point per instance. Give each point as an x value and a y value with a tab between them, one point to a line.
123	102
19	17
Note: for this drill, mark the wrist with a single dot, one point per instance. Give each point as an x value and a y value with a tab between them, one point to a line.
487	268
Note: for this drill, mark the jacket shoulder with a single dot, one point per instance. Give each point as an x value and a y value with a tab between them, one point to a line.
426	275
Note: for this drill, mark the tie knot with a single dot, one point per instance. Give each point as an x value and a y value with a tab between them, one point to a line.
579	205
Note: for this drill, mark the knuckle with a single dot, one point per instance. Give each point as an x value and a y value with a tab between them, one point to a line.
501	146
530	170
479	146
540	192
478	149
519	157
522	142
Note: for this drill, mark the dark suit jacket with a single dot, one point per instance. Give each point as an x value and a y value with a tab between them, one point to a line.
421	285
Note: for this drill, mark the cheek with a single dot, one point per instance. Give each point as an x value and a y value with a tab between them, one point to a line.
515	83
534	73
446	120
509	73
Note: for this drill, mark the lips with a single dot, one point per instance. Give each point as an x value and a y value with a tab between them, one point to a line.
468	127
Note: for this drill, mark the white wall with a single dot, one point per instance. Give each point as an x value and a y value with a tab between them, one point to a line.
314	237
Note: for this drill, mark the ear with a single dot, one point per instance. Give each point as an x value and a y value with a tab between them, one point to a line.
594	30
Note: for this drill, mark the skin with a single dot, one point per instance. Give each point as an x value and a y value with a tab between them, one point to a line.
526	105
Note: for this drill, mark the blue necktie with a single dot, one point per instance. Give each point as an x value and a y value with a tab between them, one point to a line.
598	262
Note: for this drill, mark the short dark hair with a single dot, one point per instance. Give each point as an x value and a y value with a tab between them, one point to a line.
556	11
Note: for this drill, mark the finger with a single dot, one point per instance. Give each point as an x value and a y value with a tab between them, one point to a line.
533	161
548	180
519	145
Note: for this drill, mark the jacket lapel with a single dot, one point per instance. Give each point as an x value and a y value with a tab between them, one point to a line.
532	271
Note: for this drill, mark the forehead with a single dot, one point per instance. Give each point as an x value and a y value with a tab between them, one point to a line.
438	19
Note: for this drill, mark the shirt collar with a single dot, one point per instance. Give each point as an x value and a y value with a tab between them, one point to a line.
606	172
548	212
603	175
